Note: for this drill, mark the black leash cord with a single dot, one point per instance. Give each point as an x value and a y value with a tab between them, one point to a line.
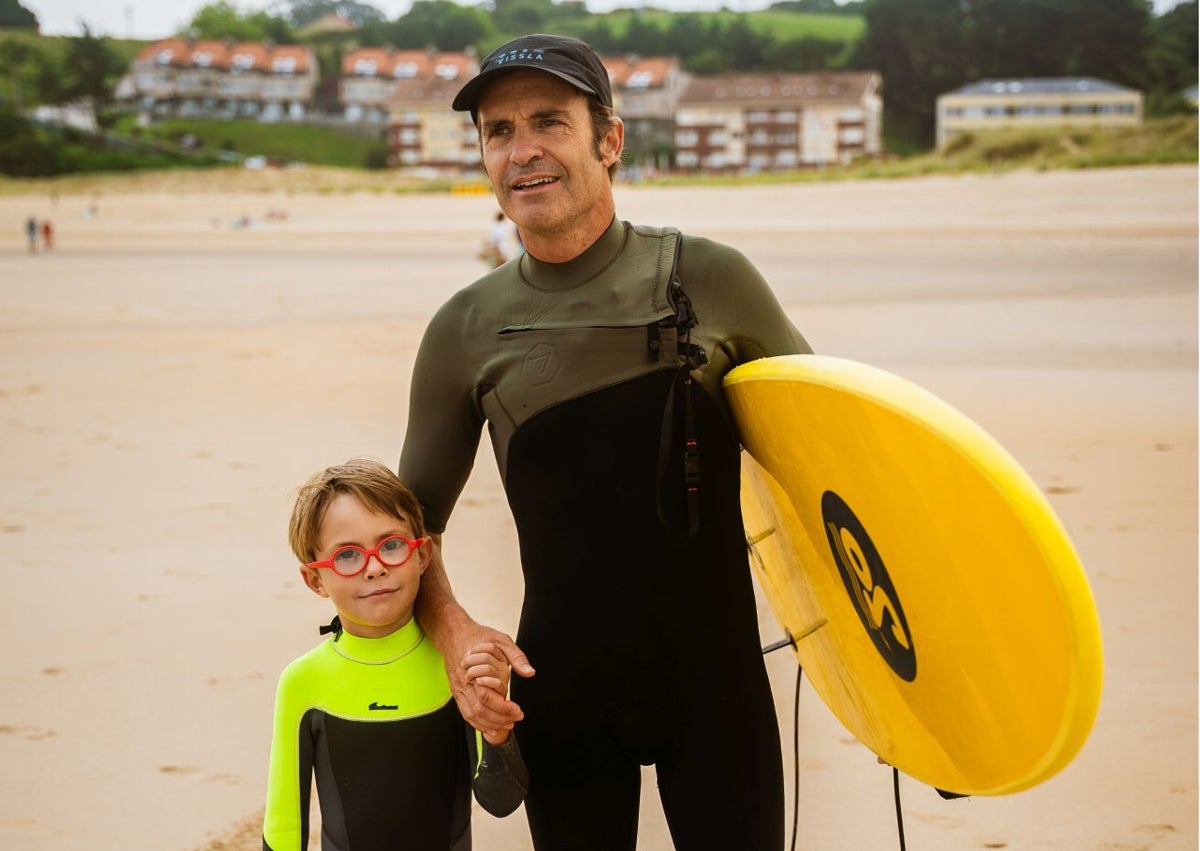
778	645
796	756
789	641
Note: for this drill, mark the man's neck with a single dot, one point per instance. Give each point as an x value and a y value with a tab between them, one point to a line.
560	247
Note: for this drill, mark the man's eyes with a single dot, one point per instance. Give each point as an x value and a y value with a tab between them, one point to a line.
493	132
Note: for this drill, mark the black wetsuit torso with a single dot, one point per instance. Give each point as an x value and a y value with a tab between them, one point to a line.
645	638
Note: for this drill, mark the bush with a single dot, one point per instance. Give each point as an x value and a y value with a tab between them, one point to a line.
377	157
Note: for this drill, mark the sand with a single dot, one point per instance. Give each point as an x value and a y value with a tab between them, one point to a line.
166	380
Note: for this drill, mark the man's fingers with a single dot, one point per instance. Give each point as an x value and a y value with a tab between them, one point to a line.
516	658
485	708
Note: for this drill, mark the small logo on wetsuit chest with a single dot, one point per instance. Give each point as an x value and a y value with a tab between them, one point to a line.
540	365
382	707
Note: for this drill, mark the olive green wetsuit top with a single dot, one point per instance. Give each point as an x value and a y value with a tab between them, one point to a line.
641	623
374	721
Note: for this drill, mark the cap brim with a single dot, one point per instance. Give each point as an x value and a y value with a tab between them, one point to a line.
468	96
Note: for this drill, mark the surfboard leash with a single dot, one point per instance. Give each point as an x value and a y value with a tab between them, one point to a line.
899	812
789	641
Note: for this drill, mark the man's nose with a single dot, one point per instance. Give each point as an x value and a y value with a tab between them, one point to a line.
525	148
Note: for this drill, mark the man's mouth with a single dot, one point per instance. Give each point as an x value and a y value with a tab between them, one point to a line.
532	183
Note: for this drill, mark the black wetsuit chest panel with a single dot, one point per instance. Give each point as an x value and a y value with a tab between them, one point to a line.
368	800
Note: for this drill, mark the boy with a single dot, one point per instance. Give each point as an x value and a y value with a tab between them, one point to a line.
369	711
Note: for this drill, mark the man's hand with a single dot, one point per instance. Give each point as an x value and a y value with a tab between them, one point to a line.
480	679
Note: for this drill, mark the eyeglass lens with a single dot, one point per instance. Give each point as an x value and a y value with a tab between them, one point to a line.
392	552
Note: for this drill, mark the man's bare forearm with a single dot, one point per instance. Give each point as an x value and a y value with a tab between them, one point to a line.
438	612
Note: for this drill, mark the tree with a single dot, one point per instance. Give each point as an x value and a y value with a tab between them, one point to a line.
1170	64
806	53
301	13
744	45
222	20
924	48
919	48
13	14
92	70
22	60
437	23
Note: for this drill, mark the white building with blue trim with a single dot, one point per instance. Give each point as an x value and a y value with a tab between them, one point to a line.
1036	102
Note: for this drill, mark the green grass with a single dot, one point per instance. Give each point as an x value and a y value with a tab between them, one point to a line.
780	25
285	142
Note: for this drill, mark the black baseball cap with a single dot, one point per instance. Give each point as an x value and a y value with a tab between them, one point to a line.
567	58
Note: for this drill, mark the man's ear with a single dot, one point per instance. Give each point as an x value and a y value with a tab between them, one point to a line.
312	578
613	143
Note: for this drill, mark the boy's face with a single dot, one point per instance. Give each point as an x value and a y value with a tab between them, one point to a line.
379	600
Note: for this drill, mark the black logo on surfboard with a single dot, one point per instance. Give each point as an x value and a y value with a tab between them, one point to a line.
869	586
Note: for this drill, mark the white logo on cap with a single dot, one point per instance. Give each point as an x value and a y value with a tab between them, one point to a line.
525	54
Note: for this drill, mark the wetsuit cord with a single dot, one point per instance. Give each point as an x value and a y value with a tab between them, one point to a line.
899	812
796	755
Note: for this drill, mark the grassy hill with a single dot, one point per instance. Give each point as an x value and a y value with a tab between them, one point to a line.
782	26
283	142
17	82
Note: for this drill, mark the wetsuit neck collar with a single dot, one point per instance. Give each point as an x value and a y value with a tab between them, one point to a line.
378	651
564	276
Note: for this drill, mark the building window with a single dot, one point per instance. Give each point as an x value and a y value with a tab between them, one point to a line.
405	70
686	138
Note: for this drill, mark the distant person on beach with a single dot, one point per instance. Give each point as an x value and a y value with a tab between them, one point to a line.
47	235
495	247
369	710
31	233
595	360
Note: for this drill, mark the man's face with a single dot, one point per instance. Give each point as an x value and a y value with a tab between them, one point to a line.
536	136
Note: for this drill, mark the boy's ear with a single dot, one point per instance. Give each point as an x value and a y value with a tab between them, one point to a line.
312	578
424	555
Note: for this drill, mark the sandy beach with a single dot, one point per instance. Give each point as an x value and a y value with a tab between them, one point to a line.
167	378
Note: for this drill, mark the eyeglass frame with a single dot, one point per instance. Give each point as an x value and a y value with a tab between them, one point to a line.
413	546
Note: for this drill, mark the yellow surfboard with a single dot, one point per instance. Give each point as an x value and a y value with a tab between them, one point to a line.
937	605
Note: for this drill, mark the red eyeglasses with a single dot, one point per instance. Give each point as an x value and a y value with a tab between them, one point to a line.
352	560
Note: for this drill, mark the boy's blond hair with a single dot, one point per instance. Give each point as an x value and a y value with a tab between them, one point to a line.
370	482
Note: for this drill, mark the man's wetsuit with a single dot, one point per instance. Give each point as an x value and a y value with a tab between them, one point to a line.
393	759
645	639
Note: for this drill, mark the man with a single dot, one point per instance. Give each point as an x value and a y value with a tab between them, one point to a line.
603	401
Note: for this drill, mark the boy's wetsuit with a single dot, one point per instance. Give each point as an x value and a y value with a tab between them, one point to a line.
373	719
645	639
